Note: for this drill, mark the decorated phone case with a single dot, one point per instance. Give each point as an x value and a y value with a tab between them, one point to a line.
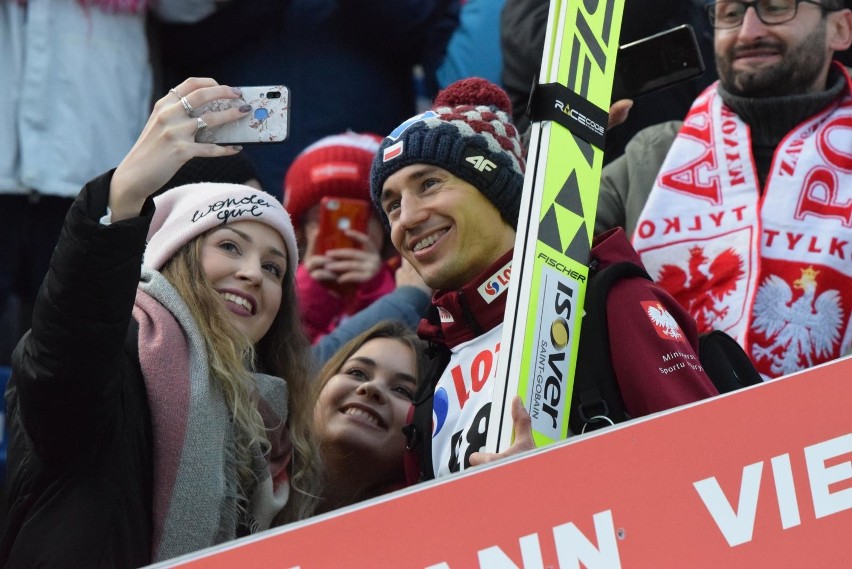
267	121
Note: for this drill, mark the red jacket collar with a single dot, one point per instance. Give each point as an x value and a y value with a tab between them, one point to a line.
457	316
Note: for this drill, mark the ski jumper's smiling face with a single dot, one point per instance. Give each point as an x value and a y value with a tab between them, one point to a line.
446	228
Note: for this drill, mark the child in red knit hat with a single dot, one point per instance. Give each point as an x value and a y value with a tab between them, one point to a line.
338	282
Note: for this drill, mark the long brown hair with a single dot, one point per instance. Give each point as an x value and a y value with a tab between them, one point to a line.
390	329
284	352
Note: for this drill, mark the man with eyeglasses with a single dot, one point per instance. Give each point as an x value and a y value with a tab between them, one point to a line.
743	211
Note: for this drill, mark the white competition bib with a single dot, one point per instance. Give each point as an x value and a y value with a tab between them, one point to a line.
462	403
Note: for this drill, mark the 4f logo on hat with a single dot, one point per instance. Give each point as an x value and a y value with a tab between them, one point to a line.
481	163
478	160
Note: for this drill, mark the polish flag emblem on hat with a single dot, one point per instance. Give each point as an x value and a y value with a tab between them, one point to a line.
392	151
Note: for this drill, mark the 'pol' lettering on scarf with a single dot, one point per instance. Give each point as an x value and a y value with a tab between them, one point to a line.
229	209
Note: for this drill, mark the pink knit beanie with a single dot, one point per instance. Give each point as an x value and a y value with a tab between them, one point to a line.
186	212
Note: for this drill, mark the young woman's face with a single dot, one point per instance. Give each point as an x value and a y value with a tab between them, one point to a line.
362	409
246	263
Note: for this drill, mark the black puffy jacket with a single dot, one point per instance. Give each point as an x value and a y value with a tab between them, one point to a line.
79	486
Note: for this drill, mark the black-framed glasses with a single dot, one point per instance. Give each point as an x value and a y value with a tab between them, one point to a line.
730	13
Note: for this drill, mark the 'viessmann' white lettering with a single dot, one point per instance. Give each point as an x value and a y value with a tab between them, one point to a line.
736	522
572	549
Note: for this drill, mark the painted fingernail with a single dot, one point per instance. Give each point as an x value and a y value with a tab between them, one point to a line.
237	90
245	108
237	148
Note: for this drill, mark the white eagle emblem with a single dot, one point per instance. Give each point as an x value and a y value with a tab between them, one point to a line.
663	320
806	327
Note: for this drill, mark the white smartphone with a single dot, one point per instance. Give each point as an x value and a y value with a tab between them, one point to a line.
267	121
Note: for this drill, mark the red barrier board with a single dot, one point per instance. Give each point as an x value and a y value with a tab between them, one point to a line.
757	478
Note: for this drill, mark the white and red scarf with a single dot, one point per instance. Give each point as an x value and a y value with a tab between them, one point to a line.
771	268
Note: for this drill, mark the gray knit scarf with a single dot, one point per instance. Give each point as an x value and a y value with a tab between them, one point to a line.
195	477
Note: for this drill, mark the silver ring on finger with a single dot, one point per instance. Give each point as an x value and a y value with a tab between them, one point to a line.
186	106
200	125
178	95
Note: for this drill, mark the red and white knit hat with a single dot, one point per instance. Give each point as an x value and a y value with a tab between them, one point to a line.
186	212
335	166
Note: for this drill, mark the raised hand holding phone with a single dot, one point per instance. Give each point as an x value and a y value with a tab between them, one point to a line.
167	142
268	120
340	252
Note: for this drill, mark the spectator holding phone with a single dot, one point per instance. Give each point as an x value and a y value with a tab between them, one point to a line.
160	403
336	283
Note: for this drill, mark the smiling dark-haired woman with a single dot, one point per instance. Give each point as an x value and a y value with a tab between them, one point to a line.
366	392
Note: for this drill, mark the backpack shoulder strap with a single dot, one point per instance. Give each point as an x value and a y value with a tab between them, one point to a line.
596	399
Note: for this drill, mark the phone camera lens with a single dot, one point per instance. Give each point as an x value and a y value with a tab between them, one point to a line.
274	94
